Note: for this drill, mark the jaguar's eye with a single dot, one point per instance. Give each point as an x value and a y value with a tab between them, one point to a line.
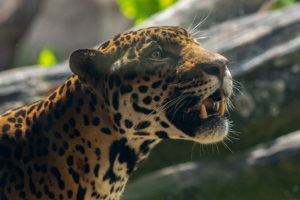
156	54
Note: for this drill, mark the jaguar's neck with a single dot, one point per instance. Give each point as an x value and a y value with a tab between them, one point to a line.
86	144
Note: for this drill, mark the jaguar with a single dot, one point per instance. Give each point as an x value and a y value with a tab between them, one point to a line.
86	138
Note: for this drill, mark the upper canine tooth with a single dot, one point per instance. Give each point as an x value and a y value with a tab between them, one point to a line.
203	112
221	110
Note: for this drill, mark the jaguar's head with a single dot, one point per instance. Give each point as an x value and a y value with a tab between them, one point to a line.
159	82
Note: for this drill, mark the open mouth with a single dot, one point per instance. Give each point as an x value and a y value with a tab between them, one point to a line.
194	113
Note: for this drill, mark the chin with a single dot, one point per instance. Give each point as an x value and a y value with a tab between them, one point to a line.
214	129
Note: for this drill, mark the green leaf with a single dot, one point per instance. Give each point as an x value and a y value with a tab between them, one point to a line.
47	58
139	10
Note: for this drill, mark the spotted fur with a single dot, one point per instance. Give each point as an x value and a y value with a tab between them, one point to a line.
85	139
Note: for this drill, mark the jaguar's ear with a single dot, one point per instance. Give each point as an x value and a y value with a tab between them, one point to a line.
89	63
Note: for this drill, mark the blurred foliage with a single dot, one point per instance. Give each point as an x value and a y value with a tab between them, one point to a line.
275	180
278	4
139	10
47	57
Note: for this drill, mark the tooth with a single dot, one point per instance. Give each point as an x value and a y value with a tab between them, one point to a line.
217	105
203	112
221	110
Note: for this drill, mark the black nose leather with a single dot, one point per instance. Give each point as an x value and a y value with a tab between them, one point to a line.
216	68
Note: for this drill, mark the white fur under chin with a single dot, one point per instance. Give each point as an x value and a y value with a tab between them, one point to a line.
216	134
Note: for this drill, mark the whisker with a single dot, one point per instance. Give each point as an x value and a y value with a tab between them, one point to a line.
226	146
201	22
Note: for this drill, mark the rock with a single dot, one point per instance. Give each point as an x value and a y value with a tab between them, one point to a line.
267	171
67	25
15	19
188	13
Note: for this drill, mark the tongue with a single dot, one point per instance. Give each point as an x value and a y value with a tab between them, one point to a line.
209	103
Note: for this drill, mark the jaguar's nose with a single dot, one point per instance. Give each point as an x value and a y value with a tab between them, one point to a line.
216	68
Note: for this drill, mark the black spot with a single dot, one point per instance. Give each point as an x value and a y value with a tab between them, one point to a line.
76	133
128	37
97	151
125	154
52	97
164	124
74	174
30	109
5	151
156	98
128	123
57	135
65	144
5	128
130	75
65	127
106	131
134	96
61	151
77	85
96	170
147	100
86	168
156	84
125	89
72	122
70	160
141	133
12	120
146	78
117	80
18	133
80	148
117	43
70	194
142	125
164	87
44	168
27	121
111	81
140	109
117	118
96	121
104	45
143	89
22	194
40	105
69	83
115	100
144	148
18	125
61	89
131	54
3	180
162	134
38	194
22	112
57	174
116	37
86	120
80	193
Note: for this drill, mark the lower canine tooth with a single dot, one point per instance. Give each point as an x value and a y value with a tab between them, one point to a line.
221	110
203	112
